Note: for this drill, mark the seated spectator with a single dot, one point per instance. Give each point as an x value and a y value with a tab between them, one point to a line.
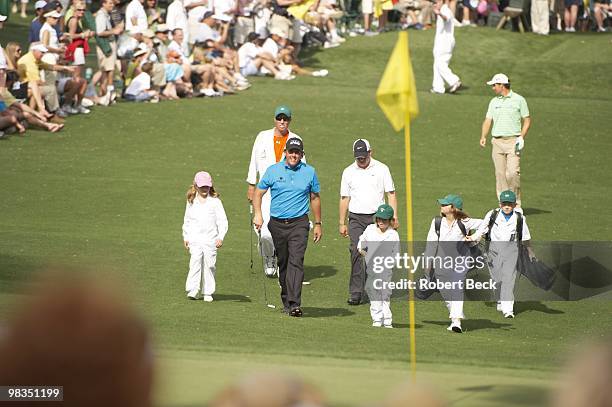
252	58
29	67
272	46
37	22
602	10
139	89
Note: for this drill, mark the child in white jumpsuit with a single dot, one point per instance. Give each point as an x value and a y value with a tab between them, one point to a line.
204	227
444	43
379	240
451	210
503	249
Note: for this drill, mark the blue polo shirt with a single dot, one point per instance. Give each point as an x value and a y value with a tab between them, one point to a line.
290	189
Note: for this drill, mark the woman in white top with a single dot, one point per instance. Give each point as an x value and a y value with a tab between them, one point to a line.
204	227
48	36
449	259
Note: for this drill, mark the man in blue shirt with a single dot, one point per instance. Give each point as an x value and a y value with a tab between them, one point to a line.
294	188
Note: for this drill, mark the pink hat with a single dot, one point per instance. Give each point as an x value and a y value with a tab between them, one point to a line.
203	179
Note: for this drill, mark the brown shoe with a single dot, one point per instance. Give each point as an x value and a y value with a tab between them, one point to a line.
56	119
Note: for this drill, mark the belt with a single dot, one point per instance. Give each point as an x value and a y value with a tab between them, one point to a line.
288	220
505	137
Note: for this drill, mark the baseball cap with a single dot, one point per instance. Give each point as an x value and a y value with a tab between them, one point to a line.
40	4
452	199
252	37
384	211
203	179
283	109
2	18
52	5
206	15
162	28
280	33
361	147
499	78
148	33
507	196
38	47
139	52
53	13
294	144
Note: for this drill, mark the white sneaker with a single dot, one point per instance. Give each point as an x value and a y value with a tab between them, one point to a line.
339	39
104	100
87	102
455	326
455	87
208	92
388	325
83	109
208	298
499	307
69	109
509	315
271	267
376	324
329	44
321	73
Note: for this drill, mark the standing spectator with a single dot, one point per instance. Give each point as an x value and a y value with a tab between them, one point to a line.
268	150
245	23
106	50
571	15
509	115
204	228
37	22
136	17
362	190
367	9
540	21
49	37
195	14
289	223
79	46
154	13
444	43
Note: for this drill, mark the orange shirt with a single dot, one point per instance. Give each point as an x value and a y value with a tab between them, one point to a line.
279	145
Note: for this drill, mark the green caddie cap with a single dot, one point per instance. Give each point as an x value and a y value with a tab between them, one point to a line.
507	196
452	199
283	109
384	211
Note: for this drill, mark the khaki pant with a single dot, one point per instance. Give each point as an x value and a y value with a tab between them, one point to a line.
507	166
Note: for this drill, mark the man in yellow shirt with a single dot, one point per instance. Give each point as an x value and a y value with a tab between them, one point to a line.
29	67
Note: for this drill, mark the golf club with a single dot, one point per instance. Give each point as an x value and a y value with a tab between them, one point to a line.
251	233
263	279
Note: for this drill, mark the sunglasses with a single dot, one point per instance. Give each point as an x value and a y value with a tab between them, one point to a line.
81	9
18	50
282	117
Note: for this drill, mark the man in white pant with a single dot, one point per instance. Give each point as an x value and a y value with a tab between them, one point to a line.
268	149
444	43
501	227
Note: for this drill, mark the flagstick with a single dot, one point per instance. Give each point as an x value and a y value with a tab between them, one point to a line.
410	243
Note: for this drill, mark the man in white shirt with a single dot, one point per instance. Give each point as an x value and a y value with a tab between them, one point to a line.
268	149
136	17
253	60
362	190
195	13
444	43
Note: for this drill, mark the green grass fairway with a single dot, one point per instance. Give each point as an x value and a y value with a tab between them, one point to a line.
108	193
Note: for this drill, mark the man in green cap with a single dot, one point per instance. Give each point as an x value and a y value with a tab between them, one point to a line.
506	228
268	149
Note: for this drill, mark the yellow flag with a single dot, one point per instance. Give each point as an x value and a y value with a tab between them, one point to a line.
396	94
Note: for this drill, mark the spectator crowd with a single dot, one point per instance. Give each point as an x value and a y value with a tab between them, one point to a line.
210	48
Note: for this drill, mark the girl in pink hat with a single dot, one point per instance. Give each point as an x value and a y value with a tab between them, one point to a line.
204	227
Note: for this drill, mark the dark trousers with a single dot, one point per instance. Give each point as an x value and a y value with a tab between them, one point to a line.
357	224
290	239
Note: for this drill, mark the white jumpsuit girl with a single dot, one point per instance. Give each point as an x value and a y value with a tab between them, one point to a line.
205	222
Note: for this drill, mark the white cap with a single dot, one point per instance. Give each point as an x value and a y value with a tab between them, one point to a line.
162	28
499	78
38	47
2	18
276	31
140	52
53	14
135	30
148	33
222	17
40	4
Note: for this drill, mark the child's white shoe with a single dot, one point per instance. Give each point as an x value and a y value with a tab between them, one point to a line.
208	298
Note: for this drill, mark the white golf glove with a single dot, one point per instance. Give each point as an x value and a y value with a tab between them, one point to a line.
520	143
